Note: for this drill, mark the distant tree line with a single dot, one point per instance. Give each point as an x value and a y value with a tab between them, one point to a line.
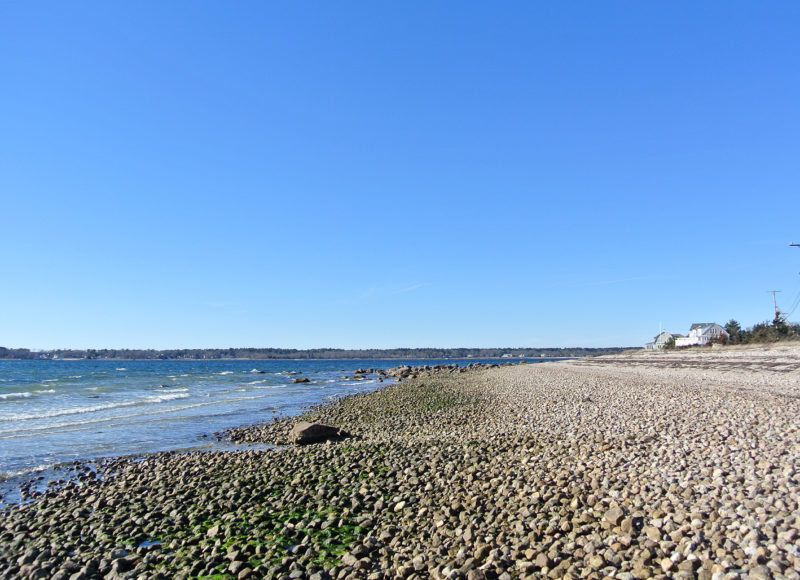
291	353
17	353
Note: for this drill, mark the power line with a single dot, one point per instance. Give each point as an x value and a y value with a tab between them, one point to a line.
774	301
795	304
796	301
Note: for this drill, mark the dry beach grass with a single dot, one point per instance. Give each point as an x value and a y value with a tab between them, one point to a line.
677	464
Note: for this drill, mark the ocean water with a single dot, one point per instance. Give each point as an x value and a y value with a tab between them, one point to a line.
55	412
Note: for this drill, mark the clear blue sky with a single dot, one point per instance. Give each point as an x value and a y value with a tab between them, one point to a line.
382	174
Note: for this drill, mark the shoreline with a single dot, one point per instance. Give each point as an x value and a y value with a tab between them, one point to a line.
36	475
584	467
37	479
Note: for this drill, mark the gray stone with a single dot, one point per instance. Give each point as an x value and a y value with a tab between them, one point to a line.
305	432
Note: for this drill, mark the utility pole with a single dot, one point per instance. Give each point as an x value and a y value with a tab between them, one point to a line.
774	302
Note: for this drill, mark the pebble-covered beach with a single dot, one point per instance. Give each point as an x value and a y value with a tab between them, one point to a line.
639	465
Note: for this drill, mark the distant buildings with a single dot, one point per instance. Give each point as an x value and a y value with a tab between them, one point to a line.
660	340
700	334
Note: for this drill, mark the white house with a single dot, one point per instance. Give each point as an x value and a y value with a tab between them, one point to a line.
660	340
701	333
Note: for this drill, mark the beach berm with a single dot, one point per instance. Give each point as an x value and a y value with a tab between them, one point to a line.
632	466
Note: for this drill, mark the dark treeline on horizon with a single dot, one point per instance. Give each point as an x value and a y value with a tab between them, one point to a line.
291	353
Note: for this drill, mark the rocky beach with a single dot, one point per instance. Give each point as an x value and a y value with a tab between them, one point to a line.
666	464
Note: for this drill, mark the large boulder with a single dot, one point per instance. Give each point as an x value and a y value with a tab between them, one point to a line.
305	432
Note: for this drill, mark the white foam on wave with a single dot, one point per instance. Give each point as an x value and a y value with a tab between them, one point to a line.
181	390
24	395
50	381
94	408
164	398
63	412
121	369
259	382
26	471
225	373
90	422
45	391
76	377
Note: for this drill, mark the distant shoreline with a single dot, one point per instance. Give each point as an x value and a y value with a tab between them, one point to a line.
254	353
475	358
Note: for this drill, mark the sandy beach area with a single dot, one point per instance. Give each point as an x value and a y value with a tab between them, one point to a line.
668	464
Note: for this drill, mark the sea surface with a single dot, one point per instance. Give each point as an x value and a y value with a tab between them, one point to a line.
56	412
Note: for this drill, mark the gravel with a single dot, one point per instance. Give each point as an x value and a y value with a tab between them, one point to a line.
631	466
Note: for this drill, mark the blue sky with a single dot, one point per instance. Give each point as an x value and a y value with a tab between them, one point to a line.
376	174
